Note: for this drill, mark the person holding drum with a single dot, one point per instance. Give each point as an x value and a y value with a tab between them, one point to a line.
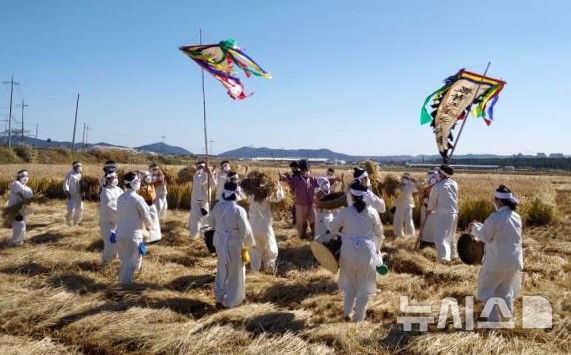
361	232
442	216
148	193
20	192
232	238
500	275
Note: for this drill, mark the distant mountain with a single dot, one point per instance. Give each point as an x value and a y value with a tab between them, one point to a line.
250	152
162	148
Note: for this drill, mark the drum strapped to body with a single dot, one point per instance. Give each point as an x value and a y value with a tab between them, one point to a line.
470	250
326	248
208	236
333	201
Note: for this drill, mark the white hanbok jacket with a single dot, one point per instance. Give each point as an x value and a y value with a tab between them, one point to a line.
362	236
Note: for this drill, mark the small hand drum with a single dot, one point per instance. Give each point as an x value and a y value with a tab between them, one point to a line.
326	248
470	250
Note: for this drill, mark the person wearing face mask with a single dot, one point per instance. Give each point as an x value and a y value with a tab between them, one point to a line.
199	198
322	217
159	182
109	167
232	238
221	177
132	216
19	193
361	176
443	214
74	195
500	275
303	186
148	193
361	232
403	225
108	217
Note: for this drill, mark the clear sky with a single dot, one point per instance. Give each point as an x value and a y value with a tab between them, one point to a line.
348	75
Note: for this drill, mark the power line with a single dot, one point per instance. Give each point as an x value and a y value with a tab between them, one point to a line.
23	105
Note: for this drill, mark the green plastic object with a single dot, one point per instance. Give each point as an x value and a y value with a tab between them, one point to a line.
383	269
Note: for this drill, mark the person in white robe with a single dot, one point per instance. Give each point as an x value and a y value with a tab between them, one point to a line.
500	274
232	238
361	232
132	217
74	195
159	181
403	224
148	193
221	178
199	200
443	215
108	217
323	217
265	252
19	193
378	203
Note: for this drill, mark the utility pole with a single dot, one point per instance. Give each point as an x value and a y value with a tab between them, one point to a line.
22	106
74	127
12	83
87	135
83	136
36	130
163	144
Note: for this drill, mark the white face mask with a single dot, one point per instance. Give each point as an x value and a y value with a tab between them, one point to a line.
148	179
24	180
135	185
78	169
115	182
226	167
200	171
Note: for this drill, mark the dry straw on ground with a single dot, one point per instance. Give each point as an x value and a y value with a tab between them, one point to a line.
55	299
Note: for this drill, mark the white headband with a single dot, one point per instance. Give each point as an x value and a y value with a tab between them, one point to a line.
504	195
358	193
134	180
111	175
76	165
362	176
22	174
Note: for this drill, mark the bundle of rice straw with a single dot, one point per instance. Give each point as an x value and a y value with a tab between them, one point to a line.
372	169
10	213
259	185
391	186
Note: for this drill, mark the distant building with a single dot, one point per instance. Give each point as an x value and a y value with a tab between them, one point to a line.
541	155
556	155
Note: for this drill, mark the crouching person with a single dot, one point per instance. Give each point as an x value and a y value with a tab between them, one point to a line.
500	275
133	216
232	238
361	231
19	193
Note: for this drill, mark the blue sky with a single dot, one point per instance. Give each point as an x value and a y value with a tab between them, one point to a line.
348	75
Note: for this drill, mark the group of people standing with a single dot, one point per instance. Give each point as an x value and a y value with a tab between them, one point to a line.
130	219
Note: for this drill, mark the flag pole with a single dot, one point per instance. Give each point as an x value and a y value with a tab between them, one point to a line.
205	128
468	114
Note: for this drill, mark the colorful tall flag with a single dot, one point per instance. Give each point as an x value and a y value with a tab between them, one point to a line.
220	59
463	92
